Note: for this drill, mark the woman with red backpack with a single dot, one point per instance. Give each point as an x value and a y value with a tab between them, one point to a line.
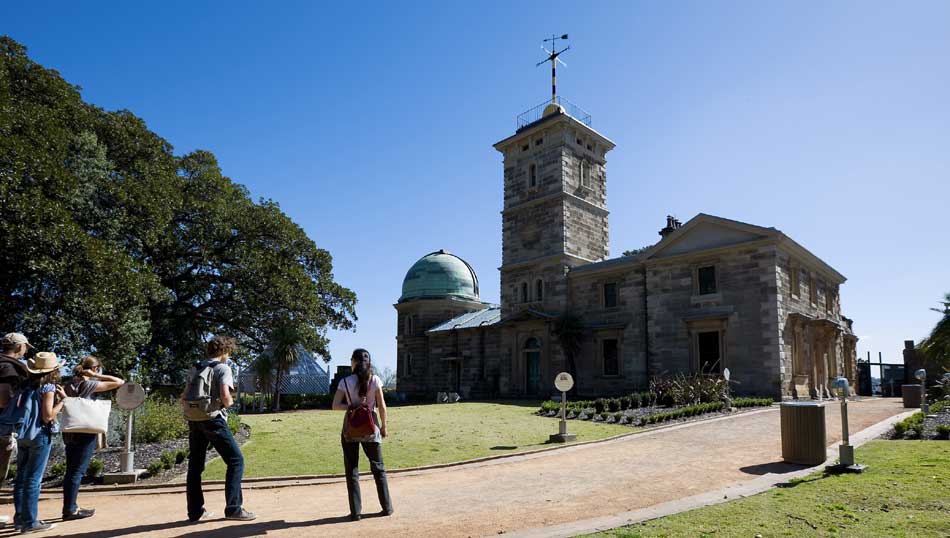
360	395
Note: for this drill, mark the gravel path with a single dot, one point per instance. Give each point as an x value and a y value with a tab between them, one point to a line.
492	498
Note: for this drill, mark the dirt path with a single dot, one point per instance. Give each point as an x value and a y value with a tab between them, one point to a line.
492	498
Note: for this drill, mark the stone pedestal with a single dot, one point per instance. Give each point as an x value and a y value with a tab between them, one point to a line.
562	438
122	478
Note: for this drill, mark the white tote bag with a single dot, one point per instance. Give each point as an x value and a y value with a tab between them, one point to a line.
82	415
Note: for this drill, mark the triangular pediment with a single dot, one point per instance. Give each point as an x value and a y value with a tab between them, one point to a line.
706	232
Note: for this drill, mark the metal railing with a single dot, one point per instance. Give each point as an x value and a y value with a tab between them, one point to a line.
532	115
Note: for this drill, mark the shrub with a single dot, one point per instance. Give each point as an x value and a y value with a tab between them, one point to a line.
181	455
682	389
57	470
168	459
626	403
911	426
155	467
613	405
160	420
943	431
599	405
95	468
234	422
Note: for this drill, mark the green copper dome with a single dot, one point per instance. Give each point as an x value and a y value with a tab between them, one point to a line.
440	275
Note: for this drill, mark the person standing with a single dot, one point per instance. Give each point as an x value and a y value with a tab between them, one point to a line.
38	402
205	400
88	380
359	389
13	372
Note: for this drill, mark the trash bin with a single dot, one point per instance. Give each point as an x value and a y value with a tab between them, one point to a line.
804	440
911	395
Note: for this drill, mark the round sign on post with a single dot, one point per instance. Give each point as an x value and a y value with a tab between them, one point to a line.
564	382
130	396
726	374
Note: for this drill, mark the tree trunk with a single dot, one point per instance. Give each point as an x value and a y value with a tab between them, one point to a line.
277	390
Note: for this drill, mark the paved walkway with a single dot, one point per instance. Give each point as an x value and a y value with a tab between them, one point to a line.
491	498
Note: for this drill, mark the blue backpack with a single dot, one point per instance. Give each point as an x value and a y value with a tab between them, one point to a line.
22	415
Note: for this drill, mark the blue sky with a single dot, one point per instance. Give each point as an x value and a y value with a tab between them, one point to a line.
372	125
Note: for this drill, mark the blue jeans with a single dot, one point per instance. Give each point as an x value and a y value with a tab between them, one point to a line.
30	467
216	433
79	449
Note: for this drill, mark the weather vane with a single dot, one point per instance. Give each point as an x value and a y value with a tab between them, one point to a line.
553	58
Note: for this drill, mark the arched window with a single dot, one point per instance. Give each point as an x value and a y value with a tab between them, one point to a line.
524	292
408	328
538	290
408	363
532	175
532	344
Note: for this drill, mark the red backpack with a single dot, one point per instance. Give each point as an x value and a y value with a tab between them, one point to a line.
359	422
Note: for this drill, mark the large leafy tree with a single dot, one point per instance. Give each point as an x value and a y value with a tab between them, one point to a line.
109	243
936	347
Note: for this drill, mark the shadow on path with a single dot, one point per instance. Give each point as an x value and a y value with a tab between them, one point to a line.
237	530
775	467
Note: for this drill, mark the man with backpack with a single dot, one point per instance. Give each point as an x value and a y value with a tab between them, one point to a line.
13	372
205	403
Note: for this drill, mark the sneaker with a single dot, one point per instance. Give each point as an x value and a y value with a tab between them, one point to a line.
204	515
354	517
387	512
39	526
243	515
82	513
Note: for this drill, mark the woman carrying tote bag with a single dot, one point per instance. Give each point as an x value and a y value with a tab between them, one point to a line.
88	380
360	395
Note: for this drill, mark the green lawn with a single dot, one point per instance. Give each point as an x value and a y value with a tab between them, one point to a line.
308	442
905	493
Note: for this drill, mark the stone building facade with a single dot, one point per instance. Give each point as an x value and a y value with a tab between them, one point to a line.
713	293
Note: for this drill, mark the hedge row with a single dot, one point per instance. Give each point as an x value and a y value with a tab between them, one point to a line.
601	405
752	402
682	412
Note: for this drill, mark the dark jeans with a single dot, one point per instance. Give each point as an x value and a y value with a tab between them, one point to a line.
351	460
79	449
30	467
216	433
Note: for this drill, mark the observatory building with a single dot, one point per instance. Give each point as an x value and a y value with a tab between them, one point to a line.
712	293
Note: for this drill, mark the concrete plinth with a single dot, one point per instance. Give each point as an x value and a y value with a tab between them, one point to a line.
562	438
122	478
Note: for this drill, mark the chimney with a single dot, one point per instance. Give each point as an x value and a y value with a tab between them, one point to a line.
671	224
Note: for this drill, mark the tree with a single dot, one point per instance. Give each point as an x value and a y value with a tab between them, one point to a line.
388	376
110	243
569	330
263	368
936	347
285	341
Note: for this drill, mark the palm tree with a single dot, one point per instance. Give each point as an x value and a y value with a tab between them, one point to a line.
263	369
285	341
569	331
936	347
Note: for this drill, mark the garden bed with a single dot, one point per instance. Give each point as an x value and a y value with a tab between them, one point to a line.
935	426
623	411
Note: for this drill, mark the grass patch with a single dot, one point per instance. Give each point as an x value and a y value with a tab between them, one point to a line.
308	442
905	493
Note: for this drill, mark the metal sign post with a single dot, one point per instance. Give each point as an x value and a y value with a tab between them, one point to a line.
129	397
563	382
921	376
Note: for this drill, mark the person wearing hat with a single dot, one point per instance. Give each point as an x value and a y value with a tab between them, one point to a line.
33	446
13	371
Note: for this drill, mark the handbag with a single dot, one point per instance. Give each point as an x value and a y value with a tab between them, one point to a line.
359	423
83	415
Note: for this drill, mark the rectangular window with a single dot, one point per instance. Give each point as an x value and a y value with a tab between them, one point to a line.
611	353
794	275
709	360
409	364
610	295
585	174
533	176
707	279
812	289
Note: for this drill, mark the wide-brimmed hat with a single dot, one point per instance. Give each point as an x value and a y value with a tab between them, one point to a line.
16	338
44	362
